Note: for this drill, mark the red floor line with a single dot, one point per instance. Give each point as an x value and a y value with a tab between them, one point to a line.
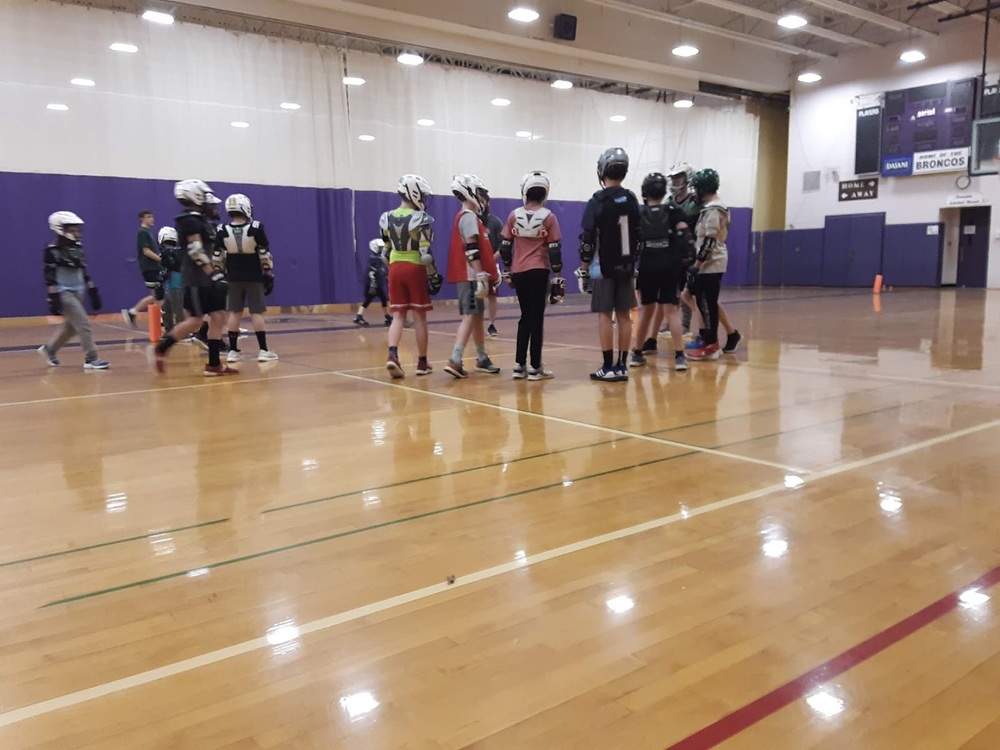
752	713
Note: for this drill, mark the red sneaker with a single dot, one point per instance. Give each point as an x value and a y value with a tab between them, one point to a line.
215	371
157	360
708	352
395	369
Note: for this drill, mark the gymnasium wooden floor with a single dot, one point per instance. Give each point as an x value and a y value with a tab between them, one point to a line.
795	547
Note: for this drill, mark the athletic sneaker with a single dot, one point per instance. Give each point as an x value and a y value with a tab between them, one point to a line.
157	360
456	370
705	353
491	331
129	317
637	359
267	356
694	343
395	369
649	347
96	364
359	321
732	342
408	324
50	359
235	355
486	365
622	372
680	362
519	372
606	374
665	331
217	370
388	321
540	373
424	367
203	343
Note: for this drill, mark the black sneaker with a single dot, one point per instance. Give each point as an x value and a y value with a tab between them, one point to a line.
456	370
621	373
606	374
359	321
732	342
649	347
491	331
388	321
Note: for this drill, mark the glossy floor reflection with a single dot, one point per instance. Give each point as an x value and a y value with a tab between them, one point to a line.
794	547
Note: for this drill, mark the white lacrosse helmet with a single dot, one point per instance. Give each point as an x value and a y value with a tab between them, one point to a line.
682	169
415	189
60	221
377	247
167	234
195	192
237	203
468	187
535	180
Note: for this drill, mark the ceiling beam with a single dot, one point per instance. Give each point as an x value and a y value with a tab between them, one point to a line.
665	17
861	14
773	18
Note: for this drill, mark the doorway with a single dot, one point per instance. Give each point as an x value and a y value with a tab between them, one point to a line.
973	247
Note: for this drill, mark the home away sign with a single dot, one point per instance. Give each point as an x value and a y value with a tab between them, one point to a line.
859	190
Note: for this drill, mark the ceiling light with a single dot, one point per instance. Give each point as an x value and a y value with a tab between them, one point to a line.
685	50
124	47
157	17
408	58
561	84
291	105
523	134
500	102
366	138
425	122
684	104
355	81
57	107
83	82
240	124
810	77
524	15
912	56
792	21
618	118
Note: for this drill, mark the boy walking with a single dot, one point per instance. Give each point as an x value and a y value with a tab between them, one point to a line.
149	267
375	284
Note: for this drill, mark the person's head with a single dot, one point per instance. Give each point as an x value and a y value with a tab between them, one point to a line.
680	176
414	191
535	188
654	188
167	237
67	226
705	184
196	195
612	167
470	191
377	247
146	219
239	208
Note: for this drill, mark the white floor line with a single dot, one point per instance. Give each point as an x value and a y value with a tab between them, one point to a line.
376	368
213	657
586	425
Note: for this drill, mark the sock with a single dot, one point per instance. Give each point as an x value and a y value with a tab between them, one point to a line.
361	310
608	358
165	343
457	352
394	351
214	347
262	340
234	341
203	332
679	353
132	311
622	358
481	353
422	360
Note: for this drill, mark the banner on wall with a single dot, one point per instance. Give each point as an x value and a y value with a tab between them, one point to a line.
858	190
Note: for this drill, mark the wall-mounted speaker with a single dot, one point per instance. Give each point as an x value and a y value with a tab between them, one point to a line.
565	27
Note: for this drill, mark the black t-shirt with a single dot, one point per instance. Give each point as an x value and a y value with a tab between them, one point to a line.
611	221
188	224
243	245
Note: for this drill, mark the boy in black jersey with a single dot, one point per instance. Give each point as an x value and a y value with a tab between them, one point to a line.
667	252
204	284
375	281
609	246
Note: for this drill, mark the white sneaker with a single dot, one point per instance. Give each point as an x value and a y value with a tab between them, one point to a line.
266	356
234	356
519	372
540	374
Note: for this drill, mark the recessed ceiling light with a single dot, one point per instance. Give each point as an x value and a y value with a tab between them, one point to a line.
683	104
355	81
124	47
912	56
792	21
500	102
523	134
83	82
524	15
685	50
157	17
366	138
425	122
290	105
810	77
561	84
57	107
408	58
240	124
618	118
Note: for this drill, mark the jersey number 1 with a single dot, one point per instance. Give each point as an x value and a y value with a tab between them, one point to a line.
626	245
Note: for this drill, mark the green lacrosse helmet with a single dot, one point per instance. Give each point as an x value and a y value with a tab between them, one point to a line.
705	182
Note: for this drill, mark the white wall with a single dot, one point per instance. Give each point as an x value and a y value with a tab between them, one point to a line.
822	132
166	111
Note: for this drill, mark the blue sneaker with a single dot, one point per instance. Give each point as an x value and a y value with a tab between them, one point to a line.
50	359
693	344
680	362
96	364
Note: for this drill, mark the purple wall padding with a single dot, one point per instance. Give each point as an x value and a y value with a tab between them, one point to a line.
738	245
803	257
911	256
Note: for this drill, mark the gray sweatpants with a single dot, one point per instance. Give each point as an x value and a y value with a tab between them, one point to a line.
75	323
173	308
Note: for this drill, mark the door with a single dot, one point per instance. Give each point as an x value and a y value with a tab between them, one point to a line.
852	249
974	247
803	257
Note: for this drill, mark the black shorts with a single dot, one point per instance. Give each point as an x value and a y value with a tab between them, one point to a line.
151	279
609	295
659	282
202	300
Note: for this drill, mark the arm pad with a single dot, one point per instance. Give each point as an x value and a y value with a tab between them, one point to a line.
472	251
506	252
587	247
555	256
707	246
196	251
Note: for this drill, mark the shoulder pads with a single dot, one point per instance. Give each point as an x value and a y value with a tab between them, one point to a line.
420	219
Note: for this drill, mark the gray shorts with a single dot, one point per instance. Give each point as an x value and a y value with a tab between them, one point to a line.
468	302
612	294
246	294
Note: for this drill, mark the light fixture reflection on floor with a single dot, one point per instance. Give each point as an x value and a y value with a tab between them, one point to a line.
358	704
620	604
825	703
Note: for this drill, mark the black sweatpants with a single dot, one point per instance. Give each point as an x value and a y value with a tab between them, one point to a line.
706	290
532	289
